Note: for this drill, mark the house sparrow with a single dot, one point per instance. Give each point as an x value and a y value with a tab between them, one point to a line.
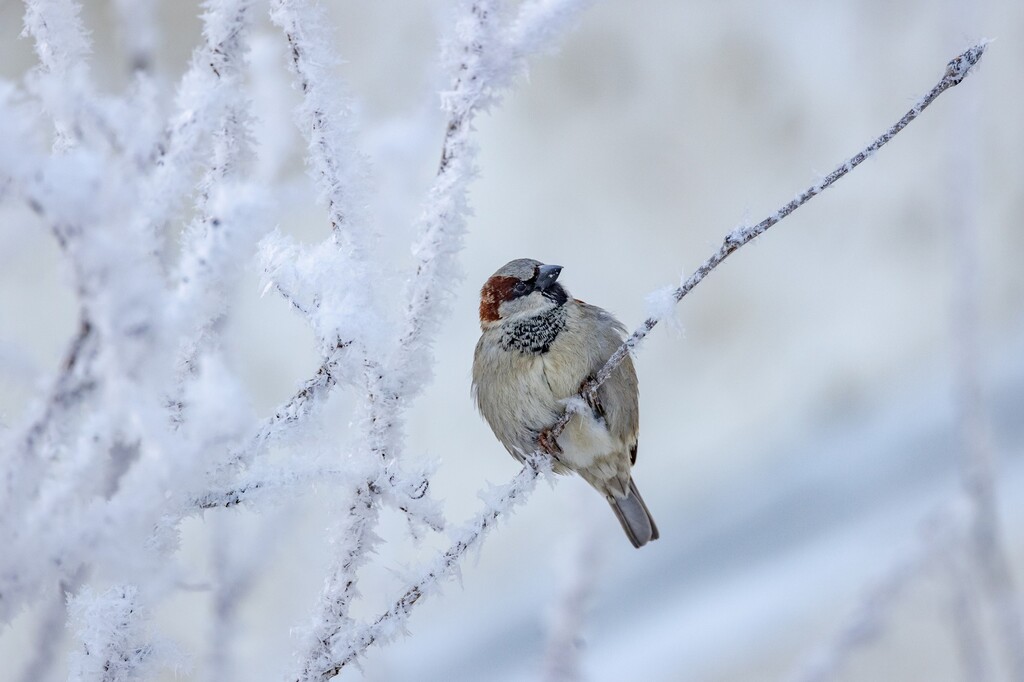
538	346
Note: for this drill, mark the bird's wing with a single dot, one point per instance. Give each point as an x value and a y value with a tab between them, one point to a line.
618	397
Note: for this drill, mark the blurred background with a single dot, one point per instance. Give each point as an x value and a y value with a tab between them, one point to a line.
799	418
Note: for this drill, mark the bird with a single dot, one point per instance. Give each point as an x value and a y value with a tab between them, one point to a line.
537	347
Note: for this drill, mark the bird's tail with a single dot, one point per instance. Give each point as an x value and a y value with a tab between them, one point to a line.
634	516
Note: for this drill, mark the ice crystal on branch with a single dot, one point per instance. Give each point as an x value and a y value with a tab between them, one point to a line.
158	202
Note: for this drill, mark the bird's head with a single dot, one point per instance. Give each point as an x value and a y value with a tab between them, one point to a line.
520	289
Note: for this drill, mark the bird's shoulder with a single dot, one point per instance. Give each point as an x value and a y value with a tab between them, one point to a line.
599	318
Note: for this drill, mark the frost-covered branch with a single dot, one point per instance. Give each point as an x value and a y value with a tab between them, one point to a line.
62	78
965	613
139	32
324	117
146	420
979	467
50	633
237	564
575	590
482	66
865	625
498	502
112	643
100	485
207	96
956	70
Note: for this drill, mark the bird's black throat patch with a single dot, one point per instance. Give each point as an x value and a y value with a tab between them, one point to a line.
556	294
534	335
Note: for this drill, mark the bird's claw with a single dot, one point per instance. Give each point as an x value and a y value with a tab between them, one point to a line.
548	443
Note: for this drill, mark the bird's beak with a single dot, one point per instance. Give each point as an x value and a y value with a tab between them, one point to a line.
546	276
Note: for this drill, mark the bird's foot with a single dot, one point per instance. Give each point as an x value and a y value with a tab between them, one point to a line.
548	443
589	394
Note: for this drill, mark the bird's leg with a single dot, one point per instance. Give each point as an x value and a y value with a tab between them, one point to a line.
548	443
589	394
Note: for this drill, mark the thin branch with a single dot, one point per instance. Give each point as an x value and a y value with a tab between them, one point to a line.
562	659
978	456
111	634
482	68
965	613
139	31
446	566
941	537
205	96
123	292
50	632
320	116
956	70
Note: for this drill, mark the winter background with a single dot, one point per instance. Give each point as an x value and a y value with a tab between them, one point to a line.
801	443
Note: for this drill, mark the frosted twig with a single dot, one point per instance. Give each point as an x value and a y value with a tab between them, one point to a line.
866	623
332	158
206	93
338	170
576	587
442	223
61	41
91	502
392	621
50	632
966	613
139	32
62	45
297	408
112	640
541	23
244	491
236	567
978	458
956	70
486	59
482	67
73	383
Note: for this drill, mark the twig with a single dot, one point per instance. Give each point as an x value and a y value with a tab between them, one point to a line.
50	632
978	457
138	29
866	623
205	98
965	612
75	516
392	621
321	118
562	659
482	68
956	70
111	632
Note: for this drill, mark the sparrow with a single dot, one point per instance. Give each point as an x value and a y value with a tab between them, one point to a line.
537	347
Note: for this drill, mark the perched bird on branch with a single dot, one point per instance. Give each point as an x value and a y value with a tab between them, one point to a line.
538	346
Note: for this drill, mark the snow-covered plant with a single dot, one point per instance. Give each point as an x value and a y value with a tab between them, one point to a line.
158	205
158	211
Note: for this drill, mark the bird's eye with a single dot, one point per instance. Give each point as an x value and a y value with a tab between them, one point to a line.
520	288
